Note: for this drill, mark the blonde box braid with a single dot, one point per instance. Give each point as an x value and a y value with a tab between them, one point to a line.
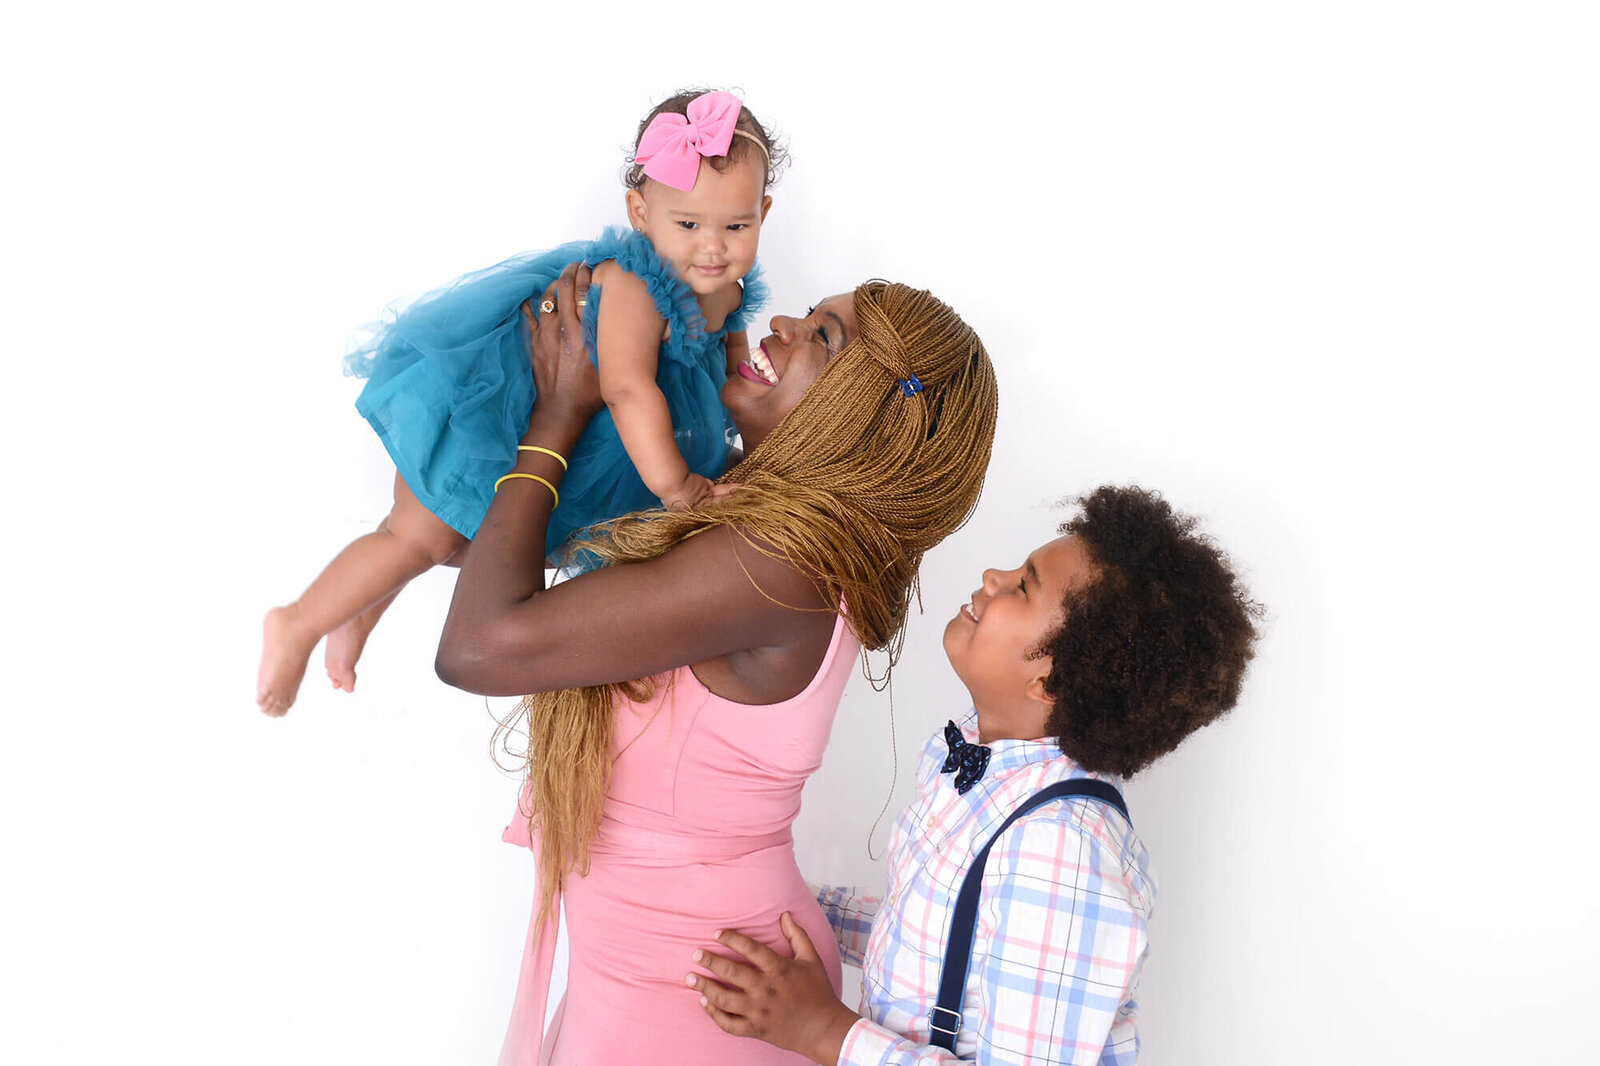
862	477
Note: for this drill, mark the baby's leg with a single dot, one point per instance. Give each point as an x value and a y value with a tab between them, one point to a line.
369	572
344	645
342	650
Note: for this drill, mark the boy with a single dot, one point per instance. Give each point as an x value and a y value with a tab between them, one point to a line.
1102	652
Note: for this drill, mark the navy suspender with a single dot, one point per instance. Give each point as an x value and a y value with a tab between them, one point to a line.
958	953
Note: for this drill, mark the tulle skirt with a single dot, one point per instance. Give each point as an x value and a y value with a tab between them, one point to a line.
450	389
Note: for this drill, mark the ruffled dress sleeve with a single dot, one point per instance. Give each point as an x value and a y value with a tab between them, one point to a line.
756	295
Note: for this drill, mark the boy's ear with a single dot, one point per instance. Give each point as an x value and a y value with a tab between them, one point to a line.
766	205
1037	692
1041	704
637	215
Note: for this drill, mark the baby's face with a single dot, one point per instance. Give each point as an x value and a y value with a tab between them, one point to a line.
710	232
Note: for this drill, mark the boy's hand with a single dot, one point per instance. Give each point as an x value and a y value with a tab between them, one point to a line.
786	1002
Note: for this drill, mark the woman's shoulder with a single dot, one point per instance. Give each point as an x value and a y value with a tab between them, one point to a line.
786	622
765	560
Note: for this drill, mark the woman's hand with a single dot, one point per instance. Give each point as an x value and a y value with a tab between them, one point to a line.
568	387
788	1003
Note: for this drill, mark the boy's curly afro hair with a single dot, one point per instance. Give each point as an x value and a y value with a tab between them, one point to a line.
1156	646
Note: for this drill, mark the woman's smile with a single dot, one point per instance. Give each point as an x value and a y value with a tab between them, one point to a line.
758	367
785	364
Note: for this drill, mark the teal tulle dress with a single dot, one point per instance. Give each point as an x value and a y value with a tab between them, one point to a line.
450	386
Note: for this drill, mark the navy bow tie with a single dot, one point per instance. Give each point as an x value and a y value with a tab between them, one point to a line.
969	761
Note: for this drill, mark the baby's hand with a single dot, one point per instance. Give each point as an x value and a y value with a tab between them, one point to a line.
689	493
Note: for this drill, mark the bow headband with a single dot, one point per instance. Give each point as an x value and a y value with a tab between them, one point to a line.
672	145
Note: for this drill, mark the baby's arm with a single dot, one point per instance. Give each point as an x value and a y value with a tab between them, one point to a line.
628	340
737	347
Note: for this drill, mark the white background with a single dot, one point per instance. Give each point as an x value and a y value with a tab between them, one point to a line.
1324	274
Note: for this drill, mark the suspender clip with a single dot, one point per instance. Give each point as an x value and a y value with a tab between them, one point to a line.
933	1021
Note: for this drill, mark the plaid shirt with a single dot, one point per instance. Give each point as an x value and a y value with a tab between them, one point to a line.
1061	924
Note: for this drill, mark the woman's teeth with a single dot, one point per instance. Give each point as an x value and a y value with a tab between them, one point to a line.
966	609
763	366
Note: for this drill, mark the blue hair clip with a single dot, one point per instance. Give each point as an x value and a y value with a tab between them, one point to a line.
910	386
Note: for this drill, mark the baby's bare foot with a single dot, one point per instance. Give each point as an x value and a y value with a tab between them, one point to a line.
284	651
344	646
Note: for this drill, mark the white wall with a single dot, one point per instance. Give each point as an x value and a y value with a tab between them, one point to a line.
1326	276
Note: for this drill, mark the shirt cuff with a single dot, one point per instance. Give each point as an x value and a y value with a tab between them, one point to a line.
868	1044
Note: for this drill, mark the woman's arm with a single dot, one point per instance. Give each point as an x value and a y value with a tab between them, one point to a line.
507	635
629	336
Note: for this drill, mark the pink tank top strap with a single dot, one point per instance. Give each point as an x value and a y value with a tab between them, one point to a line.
827	683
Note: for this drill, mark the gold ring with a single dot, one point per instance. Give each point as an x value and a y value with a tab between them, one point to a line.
583	301
546	306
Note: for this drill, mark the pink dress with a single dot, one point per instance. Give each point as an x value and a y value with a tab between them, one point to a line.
695	838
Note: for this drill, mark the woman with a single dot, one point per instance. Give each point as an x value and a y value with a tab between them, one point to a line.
661	807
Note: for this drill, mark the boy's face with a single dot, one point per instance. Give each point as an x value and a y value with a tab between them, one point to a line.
992	639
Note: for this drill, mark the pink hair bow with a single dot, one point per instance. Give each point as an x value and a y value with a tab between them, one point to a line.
672	145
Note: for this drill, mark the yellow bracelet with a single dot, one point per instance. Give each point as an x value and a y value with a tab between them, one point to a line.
547	451
531	477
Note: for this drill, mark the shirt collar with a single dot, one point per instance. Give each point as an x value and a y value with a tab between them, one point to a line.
1007	756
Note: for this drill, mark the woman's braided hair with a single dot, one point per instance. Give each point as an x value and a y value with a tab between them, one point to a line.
861	478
